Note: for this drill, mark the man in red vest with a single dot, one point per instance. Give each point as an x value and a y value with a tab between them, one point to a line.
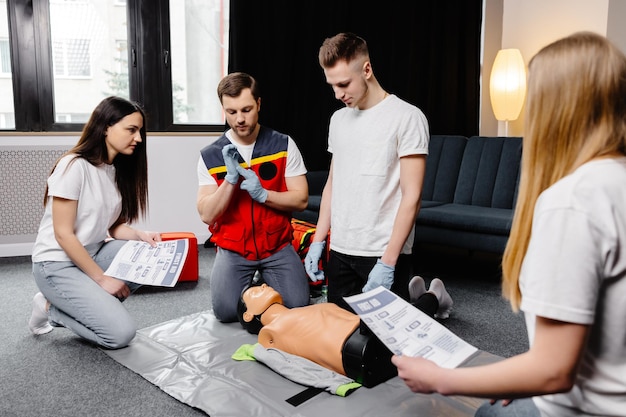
250	180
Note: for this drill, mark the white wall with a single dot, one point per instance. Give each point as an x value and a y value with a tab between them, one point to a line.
529	25
173	184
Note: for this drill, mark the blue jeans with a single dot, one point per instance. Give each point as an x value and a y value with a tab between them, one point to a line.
78	303
283	271
523	407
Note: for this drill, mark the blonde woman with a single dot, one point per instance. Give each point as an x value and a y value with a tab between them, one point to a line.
565	263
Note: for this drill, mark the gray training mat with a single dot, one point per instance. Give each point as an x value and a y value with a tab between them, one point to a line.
189	358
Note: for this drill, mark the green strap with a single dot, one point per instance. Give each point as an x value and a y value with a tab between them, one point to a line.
245	353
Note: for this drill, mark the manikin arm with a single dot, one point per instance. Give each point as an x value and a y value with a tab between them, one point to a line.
298	369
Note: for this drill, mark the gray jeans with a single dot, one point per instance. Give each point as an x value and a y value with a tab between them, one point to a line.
79	304
283	271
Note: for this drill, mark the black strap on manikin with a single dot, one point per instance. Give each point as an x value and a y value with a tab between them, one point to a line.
303	396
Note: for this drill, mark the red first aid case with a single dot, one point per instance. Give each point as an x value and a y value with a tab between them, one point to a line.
190	267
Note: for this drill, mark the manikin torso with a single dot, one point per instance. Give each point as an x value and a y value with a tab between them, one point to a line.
316	332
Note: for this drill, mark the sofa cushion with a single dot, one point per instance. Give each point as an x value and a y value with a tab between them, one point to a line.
480	219
445	154
489	172
314	202
463	239
317	181
430	203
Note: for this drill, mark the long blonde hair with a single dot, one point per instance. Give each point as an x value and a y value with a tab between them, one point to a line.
575	112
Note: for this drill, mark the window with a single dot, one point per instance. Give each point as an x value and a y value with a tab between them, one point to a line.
71	58
199	52
7	121
85	37
7	111
96	48
5	57
121	56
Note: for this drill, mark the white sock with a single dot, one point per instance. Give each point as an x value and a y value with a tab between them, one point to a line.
445	301
38	323
417	287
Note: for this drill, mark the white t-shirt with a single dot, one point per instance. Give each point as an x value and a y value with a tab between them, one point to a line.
367	146
99	205
295	163
575	271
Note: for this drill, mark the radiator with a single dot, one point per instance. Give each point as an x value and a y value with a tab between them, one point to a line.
23	174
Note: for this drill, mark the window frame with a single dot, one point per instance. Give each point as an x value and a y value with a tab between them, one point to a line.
150	78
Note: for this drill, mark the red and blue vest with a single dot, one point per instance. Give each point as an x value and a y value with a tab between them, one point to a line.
249	228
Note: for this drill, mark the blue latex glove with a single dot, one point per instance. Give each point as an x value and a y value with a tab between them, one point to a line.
312	261
381	274
231	160
252	184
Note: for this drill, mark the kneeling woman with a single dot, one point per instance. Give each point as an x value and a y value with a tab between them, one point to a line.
92	192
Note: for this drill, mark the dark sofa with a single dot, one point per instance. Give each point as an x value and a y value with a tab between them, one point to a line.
470	188
469	193
316	180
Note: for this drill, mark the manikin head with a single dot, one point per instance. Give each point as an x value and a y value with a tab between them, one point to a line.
253	302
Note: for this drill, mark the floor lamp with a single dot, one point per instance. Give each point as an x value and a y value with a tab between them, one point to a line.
507	85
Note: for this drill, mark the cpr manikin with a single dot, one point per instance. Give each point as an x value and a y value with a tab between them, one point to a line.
323	333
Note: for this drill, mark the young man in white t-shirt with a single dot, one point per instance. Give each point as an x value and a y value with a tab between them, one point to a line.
379	145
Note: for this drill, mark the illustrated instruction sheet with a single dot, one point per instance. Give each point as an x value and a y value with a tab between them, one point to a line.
141	263
405	330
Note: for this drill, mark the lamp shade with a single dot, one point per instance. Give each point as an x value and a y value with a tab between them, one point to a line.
507	85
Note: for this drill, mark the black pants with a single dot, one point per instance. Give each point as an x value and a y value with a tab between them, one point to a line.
348	274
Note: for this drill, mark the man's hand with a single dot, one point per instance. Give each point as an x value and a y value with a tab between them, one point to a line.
381	274
252	184
312	261
231	160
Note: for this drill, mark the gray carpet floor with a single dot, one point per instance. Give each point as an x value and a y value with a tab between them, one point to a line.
58	374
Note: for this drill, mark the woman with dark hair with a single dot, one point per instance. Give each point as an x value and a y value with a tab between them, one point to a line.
93	192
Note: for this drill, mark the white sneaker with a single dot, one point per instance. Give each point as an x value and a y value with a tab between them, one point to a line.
38	323
445	301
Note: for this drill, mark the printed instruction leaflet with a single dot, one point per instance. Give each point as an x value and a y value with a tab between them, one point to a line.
141	263
405	330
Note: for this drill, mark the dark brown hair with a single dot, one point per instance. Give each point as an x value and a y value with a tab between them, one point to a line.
234	83
131	171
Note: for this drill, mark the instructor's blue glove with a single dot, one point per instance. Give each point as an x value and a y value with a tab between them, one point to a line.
312	261
381	274
231	160
252	184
